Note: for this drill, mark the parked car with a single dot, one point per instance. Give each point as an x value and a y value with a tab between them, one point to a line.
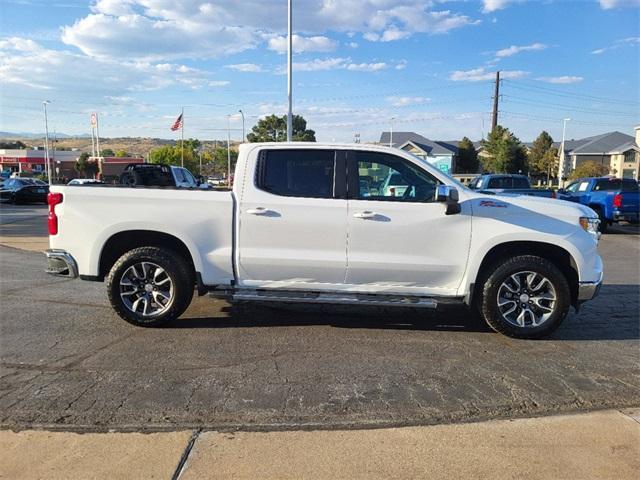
85	181
159	175
613	199
394	185
492	183
297	228
24	190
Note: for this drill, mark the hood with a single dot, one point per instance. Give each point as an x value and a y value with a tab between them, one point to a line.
511	204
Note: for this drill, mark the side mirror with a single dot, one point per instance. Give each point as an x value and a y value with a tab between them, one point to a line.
449	196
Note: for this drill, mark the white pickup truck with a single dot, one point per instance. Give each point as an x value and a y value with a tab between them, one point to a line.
311	222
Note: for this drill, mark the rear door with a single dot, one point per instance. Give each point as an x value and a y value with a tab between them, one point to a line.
400	240
293	220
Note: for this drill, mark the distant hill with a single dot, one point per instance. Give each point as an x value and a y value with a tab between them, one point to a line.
23	135
136	146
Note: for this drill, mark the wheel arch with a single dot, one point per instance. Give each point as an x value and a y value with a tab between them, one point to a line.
121	242
554	253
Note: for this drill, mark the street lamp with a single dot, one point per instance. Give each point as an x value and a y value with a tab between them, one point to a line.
243	137
561	160
47	167
391	132
228	150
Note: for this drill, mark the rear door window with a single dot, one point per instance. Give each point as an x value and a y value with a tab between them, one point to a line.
520	182
297	173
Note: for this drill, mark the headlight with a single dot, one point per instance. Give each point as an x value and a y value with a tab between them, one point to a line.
590	225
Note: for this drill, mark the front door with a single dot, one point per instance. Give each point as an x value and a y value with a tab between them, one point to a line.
293	221
399	238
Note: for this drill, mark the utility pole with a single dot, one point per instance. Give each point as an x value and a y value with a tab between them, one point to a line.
46	142
182	139
496	96
98	147
289	71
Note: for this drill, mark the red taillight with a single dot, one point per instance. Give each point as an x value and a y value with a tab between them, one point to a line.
617	200
53	199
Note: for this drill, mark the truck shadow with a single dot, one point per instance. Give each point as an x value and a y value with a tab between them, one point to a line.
614	315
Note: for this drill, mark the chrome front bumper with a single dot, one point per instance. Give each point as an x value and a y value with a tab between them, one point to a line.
589	290
61	263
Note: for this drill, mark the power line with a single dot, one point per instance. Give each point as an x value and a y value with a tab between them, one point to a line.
551	91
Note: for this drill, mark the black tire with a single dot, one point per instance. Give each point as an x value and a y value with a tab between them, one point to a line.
494	278
178	269
604	224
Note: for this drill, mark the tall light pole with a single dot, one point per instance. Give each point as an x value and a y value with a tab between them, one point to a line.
561	160
47	168
289	70
391	132
228	150
243	137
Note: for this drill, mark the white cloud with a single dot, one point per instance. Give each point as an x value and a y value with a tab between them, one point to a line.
219	83
245	67
514	49
400	101
302	44
565	79
481	74
338	63
164	30
23	60
489	6
623	42
610	4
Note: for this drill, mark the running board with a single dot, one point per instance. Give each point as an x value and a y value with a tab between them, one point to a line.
292	296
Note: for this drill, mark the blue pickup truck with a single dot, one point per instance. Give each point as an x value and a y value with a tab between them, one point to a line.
500	183
613	199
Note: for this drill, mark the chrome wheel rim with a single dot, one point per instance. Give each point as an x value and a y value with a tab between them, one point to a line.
526	299
146	289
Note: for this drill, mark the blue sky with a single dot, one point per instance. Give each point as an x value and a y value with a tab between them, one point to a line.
358	63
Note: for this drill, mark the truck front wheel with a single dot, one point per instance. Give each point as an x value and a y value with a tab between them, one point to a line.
525	297
150	286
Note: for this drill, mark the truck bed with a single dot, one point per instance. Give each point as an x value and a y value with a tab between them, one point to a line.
203	219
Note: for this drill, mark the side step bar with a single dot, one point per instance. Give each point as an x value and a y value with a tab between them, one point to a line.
338	298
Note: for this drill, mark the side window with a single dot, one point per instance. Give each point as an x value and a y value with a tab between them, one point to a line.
297	173
390	178
572	187
189	178
179	175
630	186
520	182
500	182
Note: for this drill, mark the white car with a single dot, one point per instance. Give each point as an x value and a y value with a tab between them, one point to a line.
85	181
297	228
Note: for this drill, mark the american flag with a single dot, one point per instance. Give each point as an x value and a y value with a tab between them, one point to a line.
177	125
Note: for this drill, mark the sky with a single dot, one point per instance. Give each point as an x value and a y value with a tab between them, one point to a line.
360	66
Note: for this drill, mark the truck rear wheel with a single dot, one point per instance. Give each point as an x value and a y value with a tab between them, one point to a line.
525	297
150	286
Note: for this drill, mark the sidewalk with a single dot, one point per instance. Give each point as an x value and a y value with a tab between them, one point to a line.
598	445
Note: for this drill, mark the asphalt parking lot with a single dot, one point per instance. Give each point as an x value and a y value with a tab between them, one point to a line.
67	361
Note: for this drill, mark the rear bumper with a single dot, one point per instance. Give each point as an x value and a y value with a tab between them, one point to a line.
60	263
619	216
589	290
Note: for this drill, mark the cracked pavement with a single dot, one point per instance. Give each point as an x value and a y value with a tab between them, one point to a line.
67	361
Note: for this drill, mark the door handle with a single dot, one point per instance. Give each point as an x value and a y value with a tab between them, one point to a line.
366	214
258	211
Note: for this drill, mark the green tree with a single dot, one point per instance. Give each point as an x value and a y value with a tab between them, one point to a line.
540	162
274	129
107	152
172	154
81	164
121	153
505	153
467	157
92	168
589	169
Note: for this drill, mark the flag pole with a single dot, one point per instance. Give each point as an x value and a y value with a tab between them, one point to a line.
182	141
